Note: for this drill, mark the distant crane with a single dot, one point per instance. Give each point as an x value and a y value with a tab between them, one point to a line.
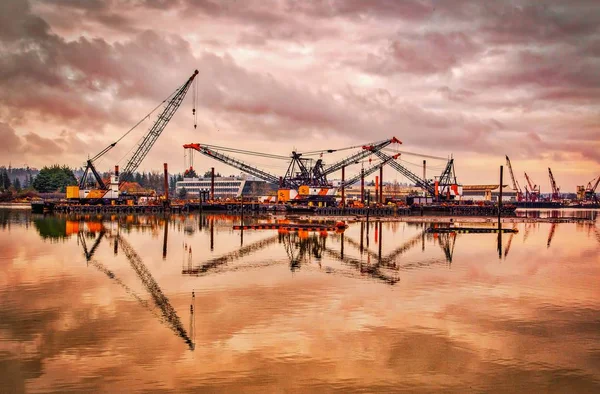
555	189
534	190
516	186
590	190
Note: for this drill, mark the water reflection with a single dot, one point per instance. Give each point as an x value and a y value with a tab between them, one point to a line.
89	230
290	311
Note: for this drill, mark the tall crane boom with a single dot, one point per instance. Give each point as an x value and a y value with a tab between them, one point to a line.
419	182
532	187
157	128
173	103
593	188
367	150
533	190
516	186
555	189
368	171
240	165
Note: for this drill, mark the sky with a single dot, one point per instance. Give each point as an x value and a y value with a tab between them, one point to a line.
474	80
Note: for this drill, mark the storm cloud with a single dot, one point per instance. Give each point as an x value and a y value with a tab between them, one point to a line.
474	79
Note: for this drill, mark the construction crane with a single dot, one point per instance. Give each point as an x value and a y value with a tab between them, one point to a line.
233	162
418	181
533	192
590	190
447	182
516	186
368	171
298	172
555	189
111	191
367	150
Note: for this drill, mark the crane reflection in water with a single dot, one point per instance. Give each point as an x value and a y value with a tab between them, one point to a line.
166	313
361	256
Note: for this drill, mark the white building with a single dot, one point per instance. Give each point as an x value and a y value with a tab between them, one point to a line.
225	187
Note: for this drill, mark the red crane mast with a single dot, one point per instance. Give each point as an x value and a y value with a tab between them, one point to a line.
516	186
555	189
533	191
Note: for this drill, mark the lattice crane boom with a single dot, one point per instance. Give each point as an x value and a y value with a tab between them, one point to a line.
173	103
595	186
369	171
157	128
233	162
418	181
516	187
555	189
367	150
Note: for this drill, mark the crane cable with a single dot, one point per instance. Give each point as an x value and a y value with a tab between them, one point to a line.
194	103
320	152
141	120
245	152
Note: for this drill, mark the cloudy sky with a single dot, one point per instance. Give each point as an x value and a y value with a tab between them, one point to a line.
472	79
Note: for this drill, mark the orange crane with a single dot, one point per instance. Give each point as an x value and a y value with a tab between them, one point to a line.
555	189
516	186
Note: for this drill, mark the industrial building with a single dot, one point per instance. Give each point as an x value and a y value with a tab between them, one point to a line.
487	193
226	187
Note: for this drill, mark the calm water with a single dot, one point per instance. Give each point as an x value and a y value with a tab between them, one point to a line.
106	305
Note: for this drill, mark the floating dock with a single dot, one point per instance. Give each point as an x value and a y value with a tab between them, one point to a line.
472	230
293	227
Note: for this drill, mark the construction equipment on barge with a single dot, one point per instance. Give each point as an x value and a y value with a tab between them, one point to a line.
100	192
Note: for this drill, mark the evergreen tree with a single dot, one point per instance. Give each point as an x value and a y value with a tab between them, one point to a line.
182	193
208	174
54	179
17	184
5	180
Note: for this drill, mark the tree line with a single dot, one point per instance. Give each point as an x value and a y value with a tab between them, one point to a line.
56	178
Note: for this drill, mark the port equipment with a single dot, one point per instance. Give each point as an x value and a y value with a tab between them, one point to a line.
447	187
445	183
319	176
212	152
516	186
555	189
533	193
111	191
590	190
299	172
368	171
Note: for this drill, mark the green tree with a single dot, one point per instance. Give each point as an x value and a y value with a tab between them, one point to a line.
182	193
17	184
208	174
5	180
190	173
54	179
